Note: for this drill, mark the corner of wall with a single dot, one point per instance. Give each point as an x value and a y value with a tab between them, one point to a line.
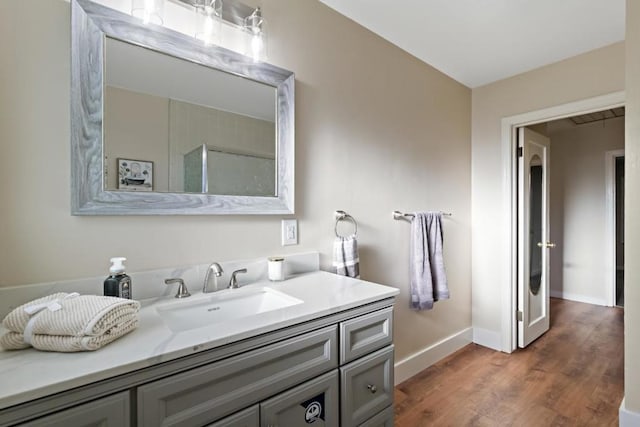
421	360
487	338
628	418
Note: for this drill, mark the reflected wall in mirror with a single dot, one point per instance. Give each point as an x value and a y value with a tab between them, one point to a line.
218	127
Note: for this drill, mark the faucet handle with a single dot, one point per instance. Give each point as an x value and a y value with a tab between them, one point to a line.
183	292
233	282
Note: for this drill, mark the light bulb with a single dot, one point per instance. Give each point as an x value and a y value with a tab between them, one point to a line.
150	11
257	47
208	20
254	26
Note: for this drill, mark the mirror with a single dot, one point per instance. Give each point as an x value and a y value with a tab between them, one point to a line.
163	110
162	124
535	224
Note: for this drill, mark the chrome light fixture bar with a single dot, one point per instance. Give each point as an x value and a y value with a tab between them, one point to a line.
232	11
211	13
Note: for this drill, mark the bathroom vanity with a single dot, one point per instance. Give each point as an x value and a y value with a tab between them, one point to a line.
325	360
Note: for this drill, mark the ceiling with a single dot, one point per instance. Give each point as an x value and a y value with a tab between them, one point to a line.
481	41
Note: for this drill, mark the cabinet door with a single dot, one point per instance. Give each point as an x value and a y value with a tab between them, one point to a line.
314	402
365	334
112	411
211	392
382	419
250	417
366	387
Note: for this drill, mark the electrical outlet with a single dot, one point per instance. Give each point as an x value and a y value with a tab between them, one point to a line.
289	232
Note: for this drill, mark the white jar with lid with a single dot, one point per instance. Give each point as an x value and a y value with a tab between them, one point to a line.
276	268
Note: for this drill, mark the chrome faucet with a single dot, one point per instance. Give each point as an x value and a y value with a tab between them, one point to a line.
233	283
216	269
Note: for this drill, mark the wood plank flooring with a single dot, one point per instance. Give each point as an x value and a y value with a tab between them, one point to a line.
571	376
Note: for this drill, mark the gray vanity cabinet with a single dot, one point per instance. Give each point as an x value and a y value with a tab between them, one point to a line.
382	419
201	395
332	371
366	369
112	411
250	417
364	334
367	387
314	402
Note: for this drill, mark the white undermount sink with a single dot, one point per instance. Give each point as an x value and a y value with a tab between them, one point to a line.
223	306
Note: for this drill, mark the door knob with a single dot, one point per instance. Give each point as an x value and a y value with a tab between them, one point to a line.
372	388
546	245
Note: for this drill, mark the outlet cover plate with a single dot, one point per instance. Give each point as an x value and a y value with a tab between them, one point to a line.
289	232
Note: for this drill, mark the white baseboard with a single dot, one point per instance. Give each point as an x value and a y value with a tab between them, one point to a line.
577	298
487	338
417	362
628	418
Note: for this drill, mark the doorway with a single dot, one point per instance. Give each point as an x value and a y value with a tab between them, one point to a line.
510	126
578	215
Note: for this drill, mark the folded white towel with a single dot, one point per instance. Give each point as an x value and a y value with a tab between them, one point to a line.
69	322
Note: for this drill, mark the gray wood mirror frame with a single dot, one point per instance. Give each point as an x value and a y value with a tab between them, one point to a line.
91	24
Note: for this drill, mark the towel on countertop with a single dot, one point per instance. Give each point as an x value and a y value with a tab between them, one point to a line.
69	322
345	257
428	277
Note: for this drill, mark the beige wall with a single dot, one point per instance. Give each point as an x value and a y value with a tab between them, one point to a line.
595	73
578	265
632	211
376	130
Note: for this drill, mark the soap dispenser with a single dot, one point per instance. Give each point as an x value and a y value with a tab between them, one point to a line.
118	284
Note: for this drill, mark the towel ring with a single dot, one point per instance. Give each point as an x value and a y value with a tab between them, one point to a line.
343	216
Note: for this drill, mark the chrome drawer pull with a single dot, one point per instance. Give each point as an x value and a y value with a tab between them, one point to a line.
372	388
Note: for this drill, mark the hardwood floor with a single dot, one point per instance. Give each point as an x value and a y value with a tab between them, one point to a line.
571	376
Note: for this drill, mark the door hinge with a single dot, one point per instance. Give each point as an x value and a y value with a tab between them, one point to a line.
519	152
520	316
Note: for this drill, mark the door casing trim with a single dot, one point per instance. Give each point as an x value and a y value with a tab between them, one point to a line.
509	140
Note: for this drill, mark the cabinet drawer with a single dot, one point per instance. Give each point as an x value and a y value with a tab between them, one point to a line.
365	334
250	417
315	402
382	419
112	411
366	387
208	393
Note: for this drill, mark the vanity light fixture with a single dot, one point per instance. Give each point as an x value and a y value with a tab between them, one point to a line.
208	14
254	25
150	11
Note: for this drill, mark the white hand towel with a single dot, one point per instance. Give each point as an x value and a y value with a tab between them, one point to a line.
345	257
428	277
69	322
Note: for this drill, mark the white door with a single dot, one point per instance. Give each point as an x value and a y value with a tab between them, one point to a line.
533	236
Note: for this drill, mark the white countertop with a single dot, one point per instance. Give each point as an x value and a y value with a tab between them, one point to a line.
31	374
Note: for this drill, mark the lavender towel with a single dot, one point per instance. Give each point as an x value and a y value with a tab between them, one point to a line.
428	277
345	257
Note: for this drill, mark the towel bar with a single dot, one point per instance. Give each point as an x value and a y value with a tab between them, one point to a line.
341	216
401	215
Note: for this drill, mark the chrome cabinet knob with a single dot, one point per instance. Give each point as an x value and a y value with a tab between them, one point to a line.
372	388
